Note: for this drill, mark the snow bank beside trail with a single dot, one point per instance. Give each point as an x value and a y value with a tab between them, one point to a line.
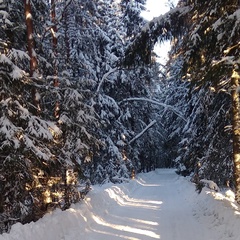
71	224
76	222
221	213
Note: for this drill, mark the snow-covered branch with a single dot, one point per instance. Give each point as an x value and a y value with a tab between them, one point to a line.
157	103
143	131
160	29
104	78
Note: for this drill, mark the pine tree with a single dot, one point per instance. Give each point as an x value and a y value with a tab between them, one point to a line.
32	166
206	66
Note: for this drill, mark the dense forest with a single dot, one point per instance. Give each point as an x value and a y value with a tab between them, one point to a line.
84	101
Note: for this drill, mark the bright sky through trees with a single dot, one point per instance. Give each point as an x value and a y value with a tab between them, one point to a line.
154	9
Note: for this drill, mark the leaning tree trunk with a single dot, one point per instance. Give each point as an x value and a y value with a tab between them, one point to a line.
236	131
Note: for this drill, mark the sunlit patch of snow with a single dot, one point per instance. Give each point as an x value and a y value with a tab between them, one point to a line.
124	200
126	228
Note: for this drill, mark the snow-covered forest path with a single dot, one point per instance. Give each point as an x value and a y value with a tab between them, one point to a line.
155	205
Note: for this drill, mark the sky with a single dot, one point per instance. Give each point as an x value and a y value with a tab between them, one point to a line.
154	9
158	205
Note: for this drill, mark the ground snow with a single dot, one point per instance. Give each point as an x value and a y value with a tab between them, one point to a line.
155	205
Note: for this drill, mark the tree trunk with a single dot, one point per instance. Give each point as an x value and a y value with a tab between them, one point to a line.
54	41
66	38
236	131
54	27
31	52
30	41
54	46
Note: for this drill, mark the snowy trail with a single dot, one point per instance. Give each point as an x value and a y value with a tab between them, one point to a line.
161	204
177	218
155	205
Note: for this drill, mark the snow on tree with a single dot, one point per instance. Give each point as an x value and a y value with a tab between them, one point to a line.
208	60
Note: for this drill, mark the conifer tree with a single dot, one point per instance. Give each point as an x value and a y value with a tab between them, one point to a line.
35	152
206	64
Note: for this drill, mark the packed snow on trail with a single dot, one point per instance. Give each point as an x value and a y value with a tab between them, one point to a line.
155	205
